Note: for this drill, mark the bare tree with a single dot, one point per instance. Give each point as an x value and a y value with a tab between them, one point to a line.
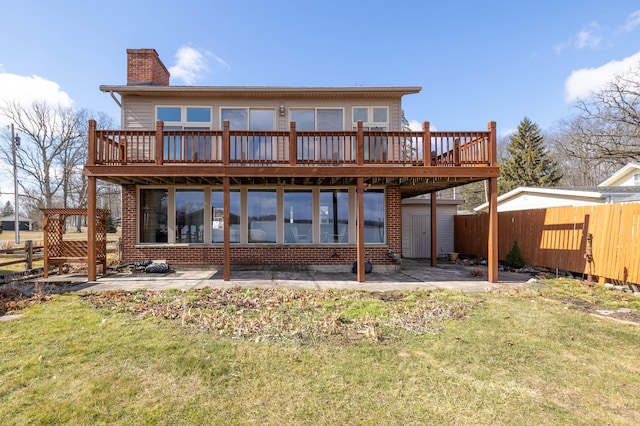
609	121
48	137
580	163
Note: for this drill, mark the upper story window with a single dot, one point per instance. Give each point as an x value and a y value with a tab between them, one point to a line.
184	118
373	118
636	179
248	118
318	118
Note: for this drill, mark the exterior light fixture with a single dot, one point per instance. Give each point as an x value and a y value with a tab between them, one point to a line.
282	111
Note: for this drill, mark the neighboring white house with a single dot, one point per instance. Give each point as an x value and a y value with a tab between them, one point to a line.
622	186
629	175
416	226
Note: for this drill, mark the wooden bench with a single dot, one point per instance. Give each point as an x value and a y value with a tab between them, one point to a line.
74	251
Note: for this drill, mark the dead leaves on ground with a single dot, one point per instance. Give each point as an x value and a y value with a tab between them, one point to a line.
302	316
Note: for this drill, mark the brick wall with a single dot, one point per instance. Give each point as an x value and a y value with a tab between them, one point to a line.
256	255
145	68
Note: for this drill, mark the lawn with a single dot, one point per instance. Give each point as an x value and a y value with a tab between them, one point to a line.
512	356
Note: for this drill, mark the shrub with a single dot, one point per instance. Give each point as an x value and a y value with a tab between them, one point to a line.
514	258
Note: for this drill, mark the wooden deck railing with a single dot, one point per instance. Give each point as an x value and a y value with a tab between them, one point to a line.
317	148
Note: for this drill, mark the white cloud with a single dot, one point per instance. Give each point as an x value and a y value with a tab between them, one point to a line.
27	89
633	20
584	82
191	65
587	38
415	125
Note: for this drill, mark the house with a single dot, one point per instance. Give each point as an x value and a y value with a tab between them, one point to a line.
9	223
622	186
299	176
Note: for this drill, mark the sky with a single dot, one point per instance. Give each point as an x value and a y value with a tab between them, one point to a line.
476	61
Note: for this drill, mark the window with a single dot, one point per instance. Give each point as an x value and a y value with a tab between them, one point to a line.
184	118
321	147
373	118
261	216
179	147
189	216
153	215
250	147
334	216
636	179
217	216
298	213
374	214
318	118
288	216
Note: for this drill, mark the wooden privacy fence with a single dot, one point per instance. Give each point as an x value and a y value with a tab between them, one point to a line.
557	238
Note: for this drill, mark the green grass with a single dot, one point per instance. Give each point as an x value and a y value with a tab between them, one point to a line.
508	357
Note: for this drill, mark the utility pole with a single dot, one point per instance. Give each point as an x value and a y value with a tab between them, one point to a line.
15	143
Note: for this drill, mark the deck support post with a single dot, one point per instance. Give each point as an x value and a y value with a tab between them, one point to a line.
92	217
492	260
434	230
226	231
360	231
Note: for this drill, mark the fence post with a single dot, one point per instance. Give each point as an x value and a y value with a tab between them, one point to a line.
28	248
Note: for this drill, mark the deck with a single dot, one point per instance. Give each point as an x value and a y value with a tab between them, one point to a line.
418	161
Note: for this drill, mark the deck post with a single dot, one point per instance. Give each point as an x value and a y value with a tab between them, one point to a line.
91	140
493	144
226	199
159	146
360	229
492	260
434	230
293	144
360	144
92	217
427	159
226	143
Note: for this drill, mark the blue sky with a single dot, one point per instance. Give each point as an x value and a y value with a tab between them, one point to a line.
477	61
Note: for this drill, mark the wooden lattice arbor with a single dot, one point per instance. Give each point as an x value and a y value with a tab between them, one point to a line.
58	251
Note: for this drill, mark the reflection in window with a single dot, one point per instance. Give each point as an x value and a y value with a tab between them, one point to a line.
189	216
250	147
334	216
217	216
374	212
298	212
261	215
153	215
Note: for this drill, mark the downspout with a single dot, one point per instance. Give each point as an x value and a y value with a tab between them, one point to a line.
115	99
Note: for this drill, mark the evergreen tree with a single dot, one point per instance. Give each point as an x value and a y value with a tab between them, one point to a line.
7	210
528	163
111	226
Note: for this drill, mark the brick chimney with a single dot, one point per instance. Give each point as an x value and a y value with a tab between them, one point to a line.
144	68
